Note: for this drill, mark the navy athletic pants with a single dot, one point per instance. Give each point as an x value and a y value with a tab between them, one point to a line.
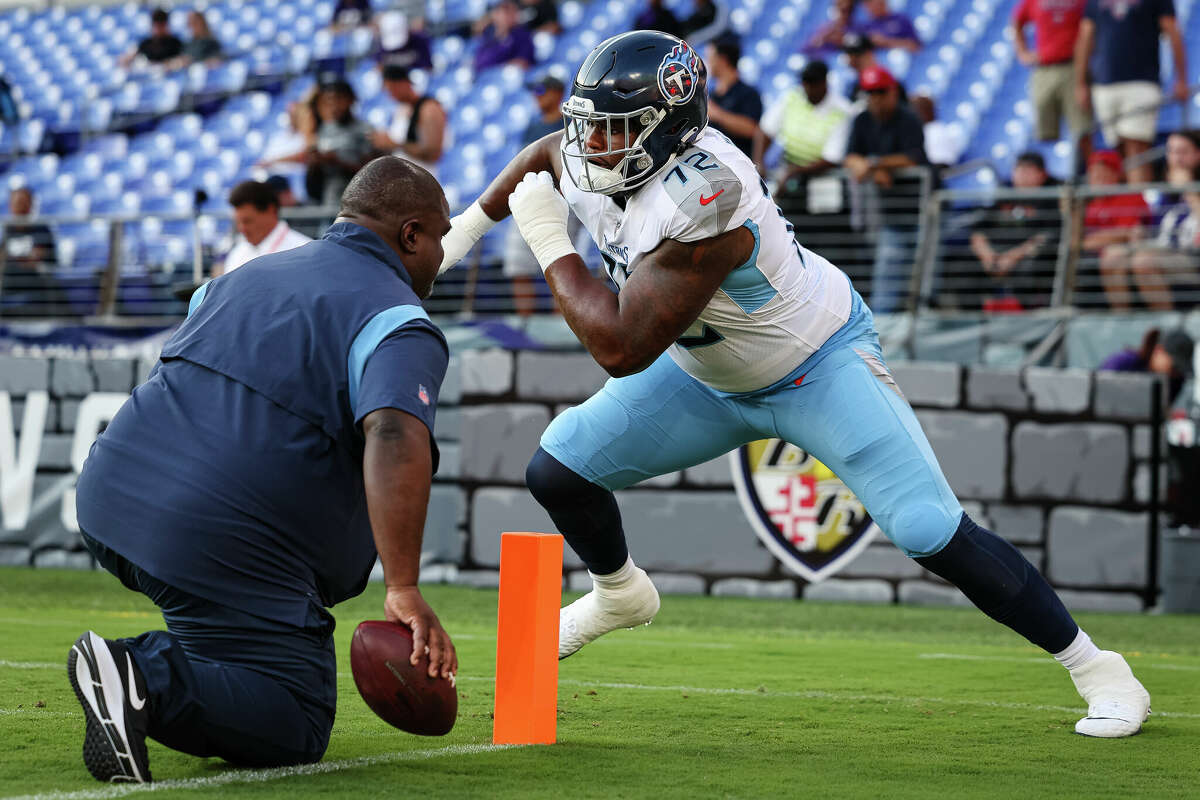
221	682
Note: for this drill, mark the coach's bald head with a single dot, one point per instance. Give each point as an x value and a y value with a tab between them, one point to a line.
406	207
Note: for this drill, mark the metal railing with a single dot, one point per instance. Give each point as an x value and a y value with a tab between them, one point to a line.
1089	247
874	233
908	249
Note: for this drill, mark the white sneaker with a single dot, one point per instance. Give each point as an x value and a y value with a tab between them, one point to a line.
602	610
1117	703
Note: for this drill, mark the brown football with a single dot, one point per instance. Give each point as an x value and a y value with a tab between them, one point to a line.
401	694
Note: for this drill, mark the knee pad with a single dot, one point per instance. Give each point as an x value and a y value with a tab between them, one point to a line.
922	529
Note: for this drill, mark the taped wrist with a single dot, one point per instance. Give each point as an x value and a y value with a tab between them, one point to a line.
465	230
550	246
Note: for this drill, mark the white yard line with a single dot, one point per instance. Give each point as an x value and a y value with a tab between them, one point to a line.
33	664
263	775
1140	663
639	641
819	694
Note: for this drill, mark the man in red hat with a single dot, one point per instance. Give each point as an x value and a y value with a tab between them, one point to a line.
1111	224
885	138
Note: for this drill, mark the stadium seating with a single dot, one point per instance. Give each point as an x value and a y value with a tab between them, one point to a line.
63	66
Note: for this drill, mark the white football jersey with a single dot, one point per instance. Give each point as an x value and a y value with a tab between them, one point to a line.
770	313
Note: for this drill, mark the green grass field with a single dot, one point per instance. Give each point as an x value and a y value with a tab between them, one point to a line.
719	698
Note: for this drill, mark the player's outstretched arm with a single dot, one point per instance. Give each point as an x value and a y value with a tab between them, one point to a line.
664	295
540	156
665	292
492	206
397	471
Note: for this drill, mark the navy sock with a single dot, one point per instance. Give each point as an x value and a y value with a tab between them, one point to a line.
1004	585
585	514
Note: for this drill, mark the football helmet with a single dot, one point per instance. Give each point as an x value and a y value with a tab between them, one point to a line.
640	96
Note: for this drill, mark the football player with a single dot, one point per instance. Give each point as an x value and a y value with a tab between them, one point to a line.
725	330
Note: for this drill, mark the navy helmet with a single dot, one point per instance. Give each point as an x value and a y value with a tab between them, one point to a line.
644	91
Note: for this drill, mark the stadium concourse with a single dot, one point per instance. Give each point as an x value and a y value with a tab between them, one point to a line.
95	138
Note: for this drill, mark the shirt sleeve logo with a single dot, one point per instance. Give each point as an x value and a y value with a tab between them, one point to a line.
422	394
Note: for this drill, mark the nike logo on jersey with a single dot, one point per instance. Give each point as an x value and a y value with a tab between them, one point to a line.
134	700
706	200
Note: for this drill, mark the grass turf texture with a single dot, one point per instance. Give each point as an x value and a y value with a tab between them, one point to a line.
719	698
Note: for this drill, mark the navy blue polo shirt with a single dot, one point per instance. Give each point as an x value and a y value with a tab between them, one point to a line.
1127	36
741	98
235	472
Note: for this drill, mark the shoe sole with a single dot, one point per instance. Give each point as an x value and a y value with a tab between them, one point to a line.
1134	732
107	751
623	627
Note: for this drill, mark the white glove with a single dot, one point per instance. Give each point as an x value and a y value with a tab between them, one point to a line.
465	230
541	214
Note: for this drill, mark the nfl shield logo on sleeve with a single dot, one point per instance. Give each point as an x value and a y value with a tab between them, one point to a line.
799	509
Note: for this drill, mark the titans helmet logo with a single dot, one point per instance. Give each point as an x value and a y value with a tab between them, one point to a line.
677	74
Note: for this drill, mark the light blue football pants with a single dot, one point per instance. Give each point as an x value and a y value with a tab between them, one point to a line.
845	410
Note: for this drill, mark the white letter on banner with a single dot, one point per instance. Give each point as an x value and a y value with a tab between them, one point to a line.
95	410
17	466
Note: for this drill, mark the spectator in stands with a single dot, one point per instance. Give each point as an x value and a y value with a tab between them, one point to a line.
860	54
1168	272
260	230
520	265
1016	241
1169	355
944	142
828	39
289	152
403	41
1183	155
9	113
1052	86
343	143
285	195
1112	224
30	288
505	40
348	14
548	92
805	121
1166	269
701	20
418	128
202	47
29	246
160	46
883	139
657	17
734	107
1123	37
540	16
887	29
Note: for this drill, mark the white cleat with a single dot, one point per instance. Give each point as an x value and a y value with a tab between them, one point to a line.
1117	703
602	610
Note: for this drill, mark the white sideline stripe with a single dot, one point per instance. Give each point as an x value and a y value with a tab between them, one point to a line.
819	694
8	712
264	775
30	665
638	642
1044	660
